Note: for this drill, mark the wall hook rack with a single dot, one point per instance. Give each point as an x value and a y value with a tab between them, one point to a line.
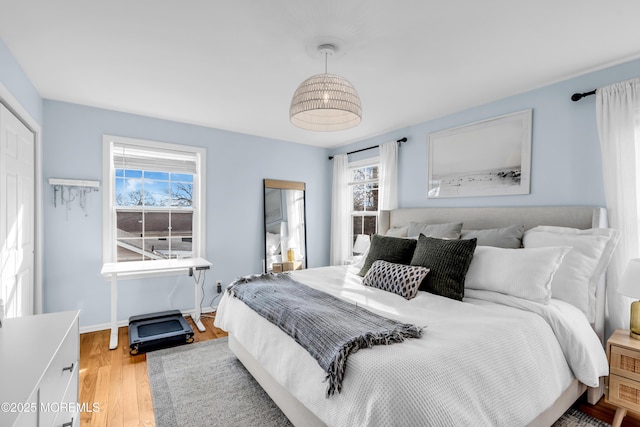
69	190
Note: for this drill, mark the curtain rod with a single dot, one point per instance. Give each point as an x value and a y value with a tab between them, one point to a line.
400	141
578	96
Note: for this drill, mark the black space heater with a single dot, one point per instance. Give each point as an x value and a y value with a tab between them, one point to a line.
158	330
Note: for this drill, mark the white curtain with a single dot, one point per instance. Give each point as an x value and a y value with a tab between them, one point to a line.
617	108
340	230
388	185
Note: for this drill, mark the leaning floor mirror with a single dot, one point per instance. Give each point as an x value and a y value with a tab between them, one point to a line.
284	226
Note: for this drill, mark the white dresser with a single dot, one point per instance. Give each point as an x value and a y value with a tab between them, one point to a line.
39	364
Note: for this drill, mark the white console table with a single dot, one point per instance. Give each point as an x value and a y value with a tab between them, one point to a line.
135	269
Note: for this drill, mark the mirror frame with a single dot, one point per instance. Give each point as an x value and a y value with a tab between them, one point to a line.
283	185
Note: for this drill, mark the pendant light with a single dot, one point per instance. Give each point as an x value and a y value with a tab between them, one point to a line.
325	102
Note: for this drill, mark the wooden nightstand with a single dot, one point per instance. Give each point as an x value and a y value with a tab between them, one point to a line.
279	267
623	391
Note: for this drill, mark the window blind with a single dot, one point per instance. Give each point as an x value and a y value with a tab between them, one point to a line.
136	157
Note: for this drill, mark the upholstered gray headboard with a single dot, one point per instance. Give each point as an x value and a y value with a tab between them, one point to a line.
581	217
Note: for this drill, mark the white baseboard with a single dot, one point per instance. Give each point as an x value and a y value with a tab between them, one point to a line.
106	326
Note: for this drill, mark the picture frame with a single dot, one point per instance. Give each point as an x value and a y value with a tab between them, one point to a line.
486	158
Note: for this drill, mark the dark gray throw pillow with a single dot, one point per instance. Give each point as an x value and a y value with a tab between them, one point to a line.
391	249
447	261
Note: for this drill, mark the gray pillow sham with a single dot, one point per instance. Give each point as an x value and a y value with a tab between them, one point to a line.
507	237
441	231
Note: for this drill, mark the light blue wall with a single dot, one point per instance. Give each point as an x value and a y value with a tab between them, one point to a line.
566	170
236	166
566	161
18	84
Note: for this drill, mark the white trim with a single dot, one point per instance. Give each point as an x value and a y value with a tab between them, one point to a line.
359	164
371	161
365	213
108	176
108	179
74	182
125	269
12	103
364	181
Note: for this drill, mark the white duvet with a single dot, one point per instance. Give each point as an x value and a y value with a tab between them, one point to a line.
490	360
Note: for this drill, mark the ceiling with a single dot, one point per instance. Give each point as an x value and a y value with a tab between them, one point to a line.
234	65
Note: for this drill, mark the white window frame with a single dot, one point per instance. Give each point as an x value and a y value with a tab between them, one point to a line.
372	161
109	232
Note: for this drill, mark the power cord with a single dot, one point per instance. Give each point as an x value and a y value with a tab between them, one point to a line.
215	297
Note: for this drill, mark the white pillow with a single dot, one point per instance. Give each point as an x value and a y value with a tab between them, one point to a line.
273	243
577	278
360	262
523	273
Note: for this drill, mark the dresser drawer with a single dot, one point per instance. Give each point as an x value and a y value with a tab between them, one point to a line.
28	416
58	377
625	362
624	392
69	410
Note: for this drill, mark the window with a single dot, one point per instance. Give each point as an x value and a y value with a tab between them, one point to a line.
364	189
153	194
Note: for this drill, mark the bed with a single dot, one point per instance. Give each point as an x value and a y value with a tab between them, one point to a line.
490	359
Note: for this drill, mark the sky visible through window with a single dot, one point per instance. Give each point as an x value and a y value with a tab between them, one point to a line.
154	214
146	188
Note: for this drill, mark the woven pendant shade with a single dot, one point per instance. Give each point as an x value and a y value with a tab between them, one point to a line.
325	102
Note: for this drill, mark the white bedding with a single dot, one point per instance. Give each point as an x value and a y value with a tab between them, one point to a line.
490	360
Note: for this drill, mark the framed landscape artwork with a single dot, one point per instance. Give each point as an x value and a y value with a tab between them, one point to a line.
487	158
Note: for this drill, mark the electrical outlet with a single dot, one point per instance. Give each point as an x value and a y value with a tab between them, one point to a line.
219	286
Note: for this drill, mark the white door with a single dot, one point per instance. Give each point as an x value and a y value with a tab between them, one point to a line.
17	200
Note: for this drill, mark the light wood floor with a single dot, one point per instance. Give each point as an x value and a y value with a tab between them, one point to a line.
605	412
120	384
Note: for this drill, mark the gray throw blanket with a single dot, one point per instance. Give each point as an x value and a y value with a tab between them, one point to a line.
329	328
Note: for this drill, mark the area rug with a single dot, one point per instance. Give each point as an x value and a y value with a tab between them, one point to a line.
203	384
575	418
